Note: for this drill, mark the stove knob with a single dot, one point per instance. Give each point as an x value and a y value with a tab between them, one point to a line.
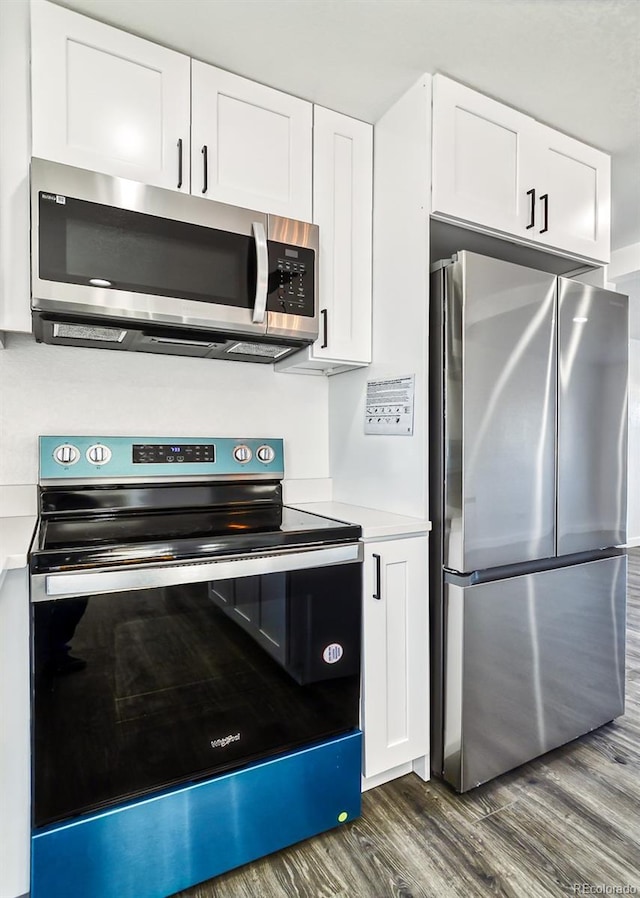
66	454
242	454
266	454
98	454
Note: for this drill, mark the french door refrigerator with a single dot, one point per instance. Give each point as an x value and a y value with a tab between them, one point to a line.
528	482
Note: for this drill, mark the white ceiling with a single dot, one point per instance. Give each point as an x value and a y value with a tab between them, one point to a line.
573	64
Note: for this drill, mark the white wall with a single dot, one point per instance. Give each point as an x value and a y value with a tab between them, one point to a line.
378	471
15	150
68	390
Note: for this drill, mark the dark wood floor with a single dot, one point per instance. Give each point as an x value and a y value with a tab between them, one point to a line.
568	819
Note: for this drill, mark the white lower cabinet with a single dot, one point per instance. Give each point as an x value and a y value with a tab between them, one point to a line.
395	670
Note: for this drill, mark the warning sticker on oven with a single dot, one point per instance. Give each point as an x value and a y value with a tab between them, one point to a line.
333	653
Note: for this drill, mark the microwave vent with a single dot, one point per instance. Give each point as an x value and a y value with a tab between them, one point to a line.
262	349
89	332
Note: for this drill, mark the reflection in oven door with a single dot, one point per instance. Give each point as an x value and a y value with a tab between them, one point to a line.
314	636
138	690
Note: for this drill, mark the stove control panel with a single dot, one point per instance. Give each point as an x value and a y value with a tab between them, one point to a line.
84	458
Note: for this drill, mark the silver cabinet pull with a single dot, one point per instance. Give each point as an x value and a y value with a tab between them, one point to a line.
262	272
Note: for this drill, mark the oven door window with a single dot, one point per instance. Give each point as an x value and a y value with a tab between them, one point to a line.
93	244
136	691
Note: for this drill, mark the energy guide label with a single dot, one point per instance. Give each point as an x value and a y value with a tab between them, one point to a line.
389	406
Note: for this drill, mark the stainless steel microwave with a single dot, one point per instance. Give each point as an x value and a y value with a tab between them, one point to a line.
117	264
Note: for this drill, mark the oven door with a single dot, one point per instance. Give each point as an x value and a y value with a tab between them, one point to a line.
155	676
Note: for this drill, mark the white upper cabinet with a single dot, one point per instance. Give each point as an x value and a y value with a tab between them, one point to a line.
576	213
107	101
251	145
479	157
342	209
500	170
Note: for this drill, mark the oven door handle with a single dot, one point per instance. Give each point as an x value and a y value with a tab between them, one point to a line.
48	587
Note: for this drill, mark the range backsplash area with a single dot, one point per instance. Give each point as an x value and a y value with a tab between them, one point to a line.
58	389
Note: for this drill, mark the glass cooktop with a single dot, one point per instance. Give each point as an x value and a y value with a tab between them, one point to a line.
71	542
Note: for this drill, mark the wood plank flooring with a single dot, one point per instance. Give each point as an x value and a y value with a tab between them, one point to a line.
567	820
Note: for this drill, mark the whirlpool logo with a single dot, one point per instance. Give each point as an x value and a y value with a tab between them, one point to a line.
226	740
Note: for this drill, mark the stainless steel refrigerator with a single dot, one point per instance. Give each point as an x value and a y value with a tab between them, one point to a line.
528	447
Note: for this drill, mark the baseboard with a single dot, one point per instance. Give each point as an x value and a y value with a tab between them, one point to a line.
419	766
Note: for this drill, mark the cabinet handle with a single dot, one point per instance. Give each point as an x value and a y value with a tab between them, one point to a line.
205	166
325	343
532	194
377	594
179	163
544	199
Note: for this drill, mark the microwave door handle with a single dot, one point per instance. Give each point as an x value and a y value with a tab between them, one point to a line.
262	272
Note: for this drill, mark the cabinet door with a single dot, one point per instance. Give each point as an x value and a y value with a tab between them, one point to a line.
342	208
255	141
482	159
107	101
395	678
573	195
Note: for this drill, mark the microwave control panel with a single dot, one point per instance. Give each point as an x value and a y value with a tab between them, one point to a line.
291	279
